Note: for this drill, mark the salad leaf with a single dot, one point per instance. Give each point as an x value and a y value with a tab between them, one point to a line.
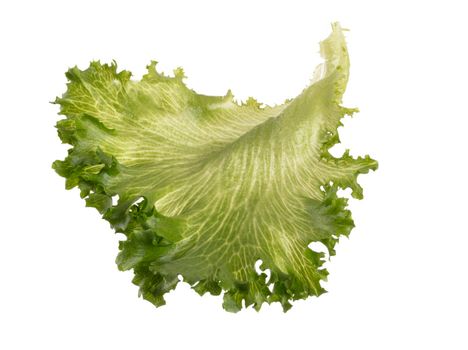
208	187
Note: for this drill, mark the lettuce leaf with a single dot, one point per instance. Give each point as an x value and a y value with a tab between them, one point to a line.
208	187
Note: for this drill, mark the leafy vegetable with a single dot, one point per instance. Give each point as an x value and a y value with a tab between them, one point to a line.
206	186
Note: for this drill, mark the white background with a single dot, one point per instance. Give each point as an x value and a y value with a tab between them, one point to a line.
399	282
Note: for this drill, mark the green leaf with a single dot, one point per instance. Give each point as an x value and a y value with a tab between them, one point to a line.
206	186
